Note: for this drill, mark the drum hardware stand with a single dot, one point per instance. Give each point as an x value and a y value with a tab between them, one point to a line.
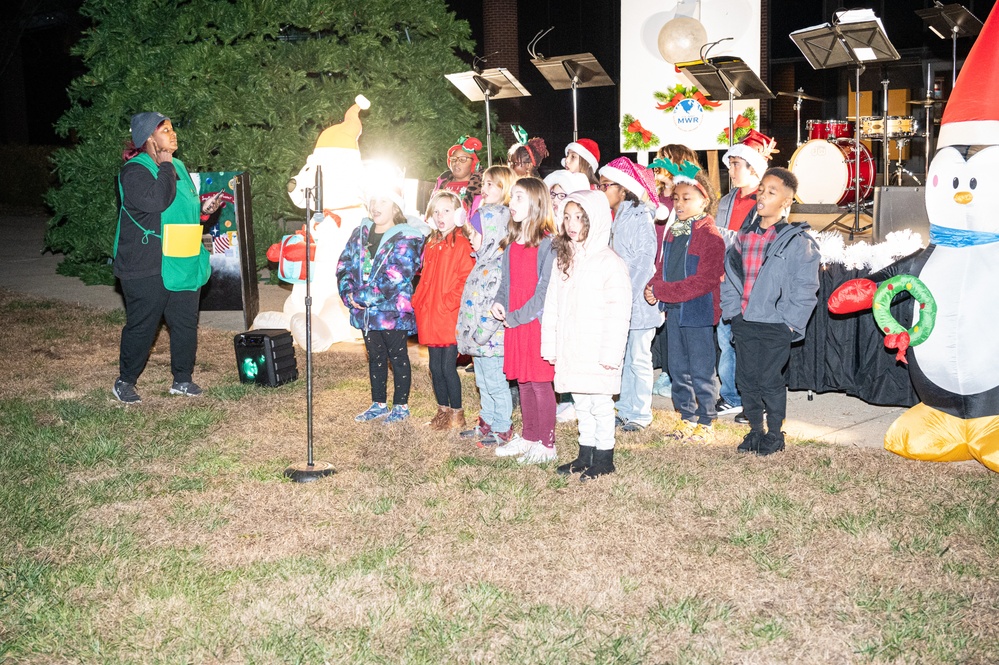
884	131
927	105
854	38
899	169
799	96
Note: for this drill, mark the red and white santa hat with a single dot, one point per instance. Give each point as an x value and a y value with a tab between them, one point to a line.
755	148
636	179
972	113
587	149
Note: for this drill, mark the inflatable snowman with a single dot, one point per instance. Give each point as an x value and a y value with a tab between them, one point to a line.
338	212
953	358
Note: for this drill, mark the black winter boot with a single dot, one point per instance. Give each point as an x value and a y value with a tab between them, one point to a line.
603	463
582	462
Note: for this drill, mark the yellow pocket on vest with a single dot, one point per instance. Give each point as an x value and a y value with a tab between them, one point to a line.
181	240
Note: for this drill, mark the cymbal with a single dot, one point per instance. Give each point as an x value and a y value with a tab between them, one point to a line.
927	102
800	95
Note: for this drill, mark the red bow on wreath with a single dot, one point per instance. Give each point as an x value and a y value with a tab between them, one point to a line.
704	101
740	122
637	127
677	98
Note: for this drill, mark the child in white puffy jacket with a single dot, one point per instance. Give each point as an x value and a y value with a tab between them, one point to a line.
585	324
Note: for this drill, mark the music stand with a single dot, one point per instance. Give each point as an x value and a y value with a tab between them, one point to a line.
496	83
726	76
573	71
950	21
848	41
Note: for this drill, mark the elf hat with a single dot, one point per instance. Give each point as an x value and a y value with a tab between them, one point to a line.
467	145
345	134
756	149
972	115
586	149
636	179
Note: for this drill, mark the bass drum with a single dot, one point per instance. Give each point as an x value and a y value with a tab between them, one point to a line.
826	169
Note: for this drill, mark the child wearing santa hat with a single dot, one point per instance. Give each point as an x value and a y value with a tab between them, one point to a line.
628	188
583	156
462	176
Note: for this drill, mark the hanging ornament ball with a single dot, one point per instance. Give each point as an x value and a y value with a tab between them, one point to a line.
681	39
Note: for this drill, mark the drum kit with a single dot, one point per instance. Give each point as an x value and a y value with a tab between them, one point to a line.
826	163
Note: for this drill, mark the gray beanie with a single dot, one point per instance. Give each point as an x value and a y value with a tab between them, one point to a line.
143	126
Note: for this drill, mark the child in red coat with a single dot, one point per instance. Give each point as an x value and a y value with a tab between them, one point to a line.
447	260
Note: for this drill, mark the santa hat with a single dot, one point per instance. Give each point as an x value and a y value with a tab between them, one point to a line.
569	182
972	115
586	149
636	179
345	134
468	145
756	149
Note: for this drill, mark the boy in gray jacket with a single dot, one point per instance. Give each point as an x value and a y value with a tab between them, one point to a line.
770	289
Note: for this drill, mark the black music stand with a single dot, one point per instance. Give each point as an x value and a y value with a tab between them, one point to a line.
726	77
496	83
847	41
573	71
950	22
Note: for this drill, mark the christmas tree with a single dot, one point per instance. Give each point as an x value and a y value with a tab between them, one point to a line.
249	85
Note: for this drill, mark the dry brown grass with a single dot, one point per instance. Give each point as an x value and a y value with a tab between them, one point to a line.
424	549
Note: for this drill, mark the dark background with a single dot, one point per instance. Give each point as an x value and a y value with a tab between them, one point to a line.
36	65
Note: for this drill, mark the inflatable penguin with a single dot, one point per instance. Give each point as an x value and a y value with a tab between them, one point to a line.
342	209
954	282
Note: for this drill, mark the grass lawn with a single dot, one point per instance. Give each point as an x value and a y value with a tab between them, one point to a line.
165	532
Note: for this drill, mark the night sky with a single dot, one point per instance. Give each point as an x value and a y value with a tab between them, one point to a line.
580	26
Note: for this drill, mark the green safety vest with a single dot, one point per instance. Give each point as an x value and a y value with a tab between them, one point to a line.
185	265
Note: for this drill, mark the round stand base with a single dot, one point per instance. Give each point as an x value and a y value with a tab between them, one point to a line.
302	472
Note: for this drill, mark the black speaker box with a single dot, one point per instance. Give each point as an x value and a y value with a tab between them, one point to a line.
897	208
265	357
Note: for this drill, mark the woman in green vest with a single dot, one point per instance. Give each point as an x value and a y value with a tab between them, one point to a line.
158	256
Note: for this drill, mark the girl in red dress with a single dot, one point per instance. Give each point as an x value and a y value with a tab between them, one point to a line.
447	260
527	267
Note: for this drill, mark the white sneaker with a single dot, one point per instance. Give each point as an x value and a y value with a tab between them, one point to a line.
516	447
538	454
566	412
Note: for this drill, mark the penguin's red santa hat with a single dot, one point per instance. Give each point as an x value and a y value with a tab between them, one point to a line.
972	113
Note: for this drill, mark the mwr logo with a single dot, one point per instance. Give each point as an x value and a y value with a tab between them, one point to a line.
688	114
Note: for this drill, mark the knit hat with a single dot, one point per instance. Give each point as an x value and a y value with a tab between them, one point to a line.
569	182
756	149
143	126
586	149
468	145
636	179
972	116
345	134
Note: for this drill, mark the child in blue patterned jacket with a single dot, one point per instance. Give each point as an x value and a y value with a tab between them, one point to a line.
375	277
479	334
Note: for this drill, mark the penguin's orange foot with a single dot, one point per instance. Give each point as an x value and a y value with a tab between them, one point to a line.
926	434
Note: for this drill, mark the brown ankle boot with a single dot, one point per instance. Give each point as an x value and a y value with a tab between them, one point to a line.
441	420
457	419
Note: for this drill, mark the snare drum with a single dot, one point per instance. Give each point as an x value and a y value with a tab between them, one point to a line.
899	127
829	129
826	169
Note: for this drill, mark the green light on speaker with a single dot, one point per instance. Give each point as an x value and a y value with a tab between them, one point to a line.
249	368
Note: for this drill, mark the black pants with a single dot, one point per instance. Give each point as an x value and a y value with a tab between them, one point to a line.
444	375
660	349
385	346
763	350
147	303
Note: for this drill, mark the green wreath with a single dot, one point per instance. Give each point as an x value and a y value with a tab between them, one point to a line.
897	337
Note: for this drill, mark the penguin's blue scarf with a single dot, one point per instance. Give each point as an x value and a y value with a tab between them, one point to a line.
948	237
